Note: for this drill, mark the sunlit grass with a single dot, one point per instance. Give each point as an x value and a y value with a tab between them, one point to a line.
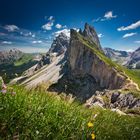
37	115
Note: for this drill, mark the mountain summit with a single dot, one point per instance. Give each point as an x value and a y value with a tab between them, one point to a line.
90	34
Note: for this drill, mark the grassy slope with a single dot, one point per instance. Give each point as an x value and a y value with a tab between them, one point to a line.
24	59
134	75
37	115
24	63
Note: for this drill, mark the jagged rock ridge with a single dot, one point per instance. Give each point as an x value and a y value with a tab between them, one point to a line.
84	58
58	47
90	34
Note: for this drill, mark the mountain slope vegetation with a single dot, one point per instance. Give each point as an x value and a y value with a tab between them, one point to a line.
37	115
11	70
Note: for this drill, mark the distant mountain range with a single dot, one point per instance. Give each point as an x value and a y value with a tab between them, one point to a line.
134	61
10	56
128	59
14	62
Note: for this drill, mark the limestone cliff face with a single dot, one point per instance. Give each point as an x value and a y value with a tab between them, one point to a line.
59	46
83	60
90	33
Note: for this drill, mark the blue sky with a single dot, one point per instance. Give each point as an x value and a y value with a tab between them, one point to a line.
31	25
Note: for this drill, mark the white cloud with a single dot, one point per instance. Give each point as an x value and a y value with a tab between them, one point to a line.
33	35
138	41
36	41
130	27
65	31
100	35
65	26
48	26
7	42
58	26
50	18
96	20
27	34
11	28
129	35
109	15
130	50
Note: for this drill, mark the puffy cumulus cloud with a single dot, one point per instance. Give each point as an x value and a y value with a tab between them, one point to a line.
130	27
129	35
6	42
37	42
65	31
58	26
109	15
33	35
11	28
138	41
48	26
100	35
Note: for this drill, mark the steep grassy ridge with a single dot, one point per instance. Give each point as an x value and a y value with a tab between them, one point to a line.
133	75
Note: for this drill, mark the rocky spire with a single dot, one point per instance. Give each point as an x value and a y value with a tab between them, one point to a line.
90	33
60	44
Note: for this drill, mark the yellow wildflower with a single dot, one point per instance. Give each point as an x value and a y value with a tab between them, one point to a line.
93	136
90	124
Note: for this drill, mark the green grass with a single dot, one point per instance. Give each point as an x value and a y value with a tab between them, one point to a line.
24	59
134	75
10	71
36	115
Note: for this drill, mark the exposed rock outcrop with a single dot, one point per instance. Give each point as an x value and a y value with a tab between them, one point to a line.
134	61
120	57
84	60
90	34
114	99
59	46
10	56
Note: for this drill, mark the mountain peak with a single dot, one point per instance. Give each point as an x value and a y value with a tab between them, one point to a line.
90	33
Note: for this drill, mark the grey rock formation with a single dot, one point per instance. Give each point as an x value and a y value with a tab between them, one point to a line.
83	60
134	61
90	33
114	99
59	46
120	57
7	57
